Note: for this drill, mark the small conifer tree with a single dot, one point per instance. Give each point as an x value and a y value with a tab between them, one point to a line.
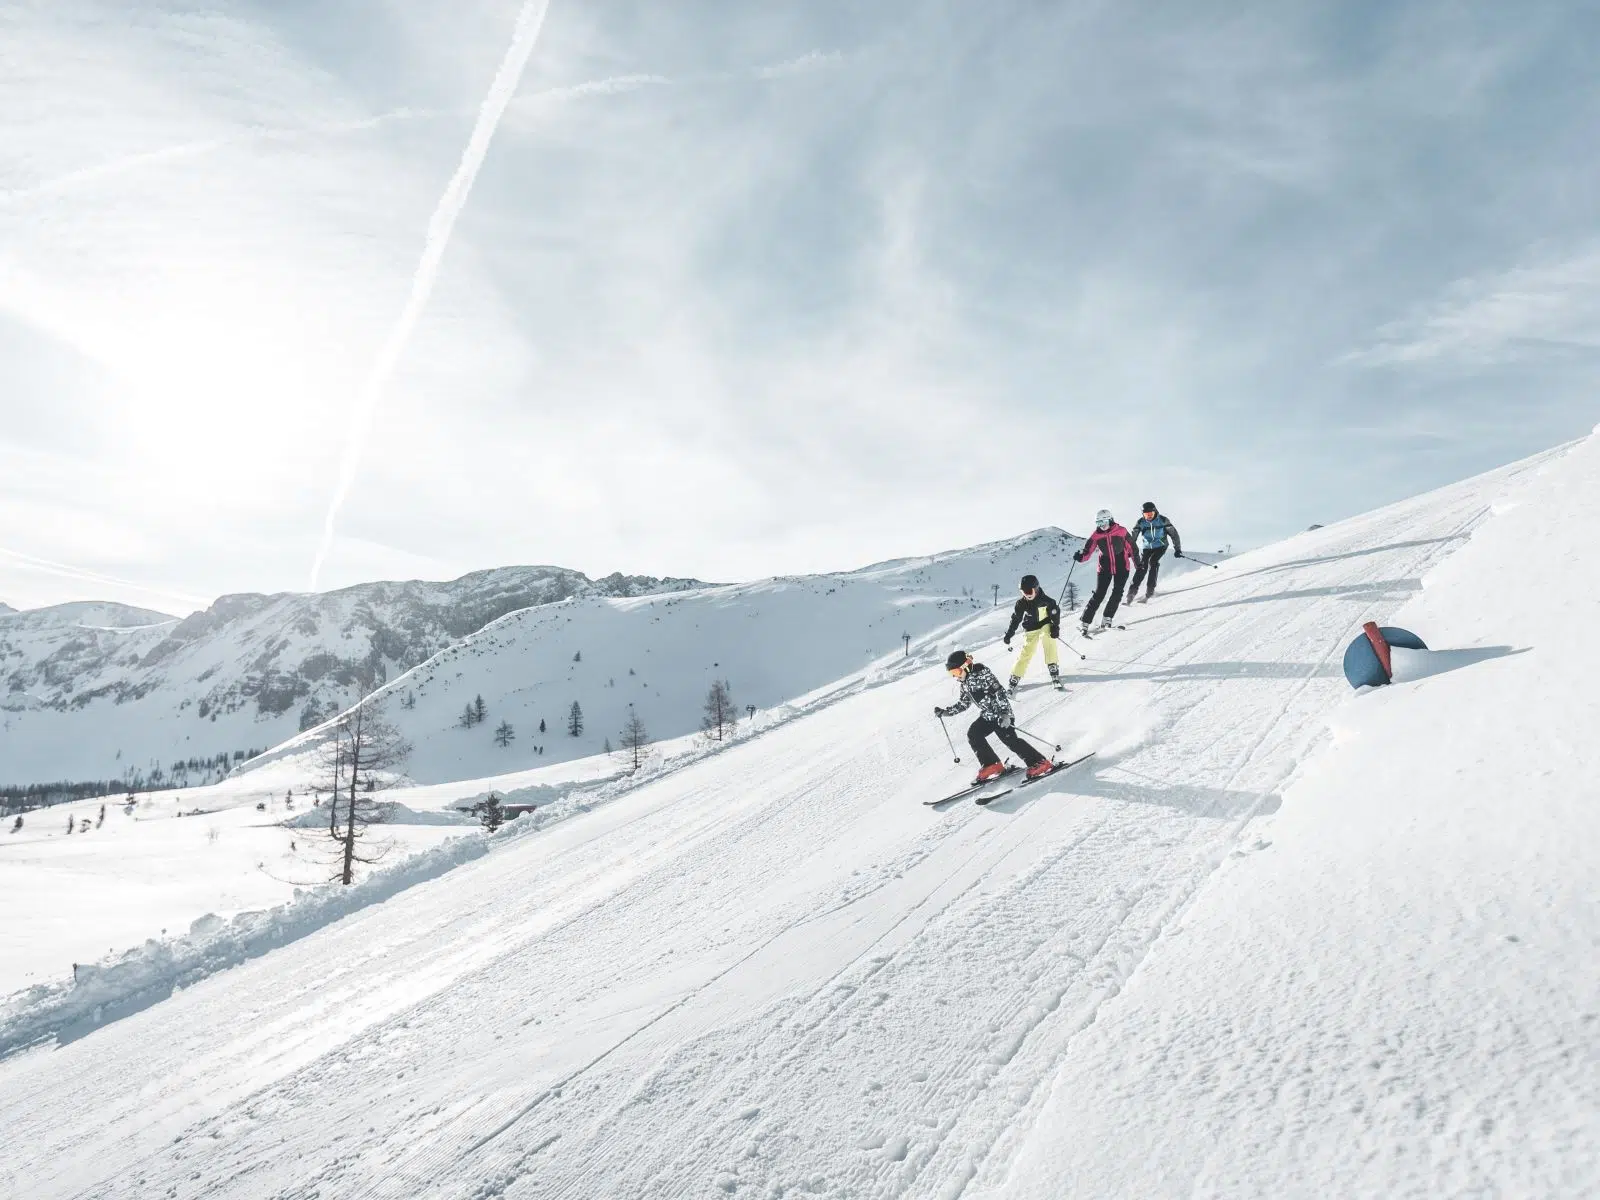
490	812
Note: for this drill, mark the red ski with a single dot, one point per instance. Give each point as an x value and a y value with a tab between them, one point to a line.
1055	770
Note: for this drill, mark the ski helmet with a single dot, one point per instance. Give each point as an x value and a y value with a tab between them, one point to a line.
1030	583
1103	519
958	658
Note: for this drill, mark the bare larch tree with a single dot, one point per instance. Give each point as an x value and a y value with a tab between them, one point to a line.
634	738
720	715
363	747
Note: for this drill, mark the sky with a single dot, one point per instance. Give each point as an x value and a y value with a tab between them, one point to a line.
753	289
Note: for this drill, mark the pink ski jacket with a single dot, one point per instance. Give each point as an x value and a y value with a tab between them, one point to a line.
1115	546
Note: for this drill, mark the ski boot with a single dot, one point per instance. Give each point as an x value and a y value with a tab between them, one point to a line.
1043	767
1055	677
1105	624
1084	630
1011	688
992	771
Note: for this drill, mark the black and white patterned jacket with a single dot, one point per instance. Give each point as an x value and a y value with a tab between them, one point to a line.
980	687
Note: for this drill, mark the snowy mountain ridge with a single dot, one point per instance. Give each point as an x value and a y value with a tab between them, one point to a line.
656	656
105	691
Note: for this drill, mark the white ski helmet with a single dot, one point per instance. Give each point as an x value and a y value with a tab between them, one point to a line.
1103	519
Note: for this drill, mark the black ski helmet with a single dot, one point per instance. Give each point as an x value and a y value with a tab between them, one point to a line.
958	658
1030	582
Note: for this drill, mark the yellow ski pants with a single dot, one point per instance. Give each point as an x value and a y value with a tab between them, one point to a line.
1030	642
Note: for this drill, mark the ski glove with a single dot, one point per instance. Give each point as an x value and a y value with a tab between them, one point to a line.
1177	554
939	712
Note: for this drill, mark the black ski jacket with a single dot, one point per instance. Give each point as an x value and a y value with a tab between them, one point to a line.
1035	614
980	687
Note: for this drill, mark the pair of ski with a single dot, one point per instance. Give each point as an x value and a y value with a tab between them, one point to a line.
987	791
1097	630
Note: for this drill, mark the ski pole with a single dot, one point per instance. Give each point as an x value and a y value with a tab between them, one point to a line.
1084	657
948	738
1081	655
1068	579
1032	737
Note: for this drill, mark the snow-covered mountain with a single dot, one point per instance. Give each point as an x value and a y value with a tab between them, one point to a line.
1276	939
104	691
107	692
771	641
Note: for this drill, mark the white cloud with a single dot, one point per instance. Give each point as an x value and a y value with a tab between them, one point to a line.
727	301
812	60
1528	311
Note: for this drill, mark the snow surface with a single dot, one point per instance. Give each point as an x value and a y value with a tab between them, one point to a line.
176	858
1231	955
791	643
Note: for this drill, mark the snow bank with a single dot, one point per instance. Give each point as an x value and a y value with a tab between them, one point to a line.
150	973
392	813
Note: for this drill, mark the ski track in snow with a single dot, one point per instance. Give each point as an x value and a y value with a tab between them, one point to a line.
772	974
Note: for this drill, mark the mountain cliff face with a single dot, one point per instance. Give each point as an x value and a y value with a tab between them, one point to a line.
105	691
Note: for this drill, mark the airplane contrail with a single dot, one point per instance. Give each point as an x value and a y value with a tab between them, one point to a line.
523	38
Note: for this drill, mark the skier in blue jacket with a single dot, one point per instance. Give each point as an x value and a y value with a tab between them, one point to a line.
1151	533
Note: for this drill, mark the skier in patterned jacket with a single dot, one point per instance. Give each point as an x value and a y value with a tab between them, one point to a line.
979	686
1117	555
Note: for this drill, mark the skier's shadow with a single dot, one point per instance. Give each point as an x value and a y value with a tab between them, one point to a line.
1206	803
1218	671
1317	560
1375	590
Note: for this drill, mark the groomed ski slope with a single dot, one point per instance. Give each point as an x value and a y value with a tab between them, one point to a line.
776	973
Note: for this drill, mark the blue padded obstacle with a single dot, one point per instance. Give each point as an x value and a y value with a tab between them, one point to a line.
1366	660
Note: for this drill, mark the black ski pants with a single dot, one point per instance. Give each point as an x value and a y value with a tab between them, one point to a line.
1103	584
978	737
1149	562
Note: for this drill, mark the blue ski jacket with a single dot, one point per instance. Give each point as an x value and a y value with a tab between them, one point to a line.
1152	533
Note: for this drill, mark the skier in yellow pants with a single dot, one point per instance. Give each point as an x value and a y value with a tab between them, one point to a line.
1040	618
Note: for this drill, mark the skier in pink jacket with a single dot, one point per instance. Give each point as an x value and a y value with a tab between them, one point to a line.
1117	557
